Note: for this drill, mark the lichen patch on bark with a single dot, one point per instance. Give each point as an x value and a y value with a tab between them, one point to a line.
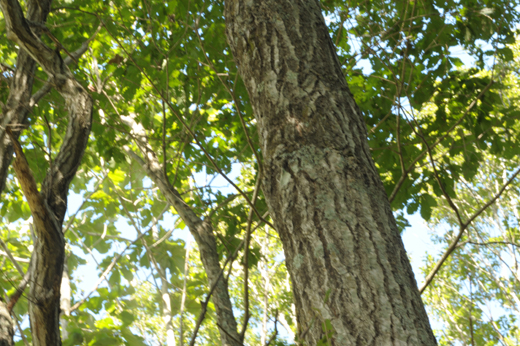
342	247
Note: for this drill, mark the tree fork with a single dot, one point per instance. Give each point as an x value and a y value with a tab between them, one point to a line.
48	207
17	105
347	262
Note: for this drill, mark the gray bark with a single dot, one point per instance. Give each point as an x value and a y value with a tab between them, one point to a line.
65	298
48	207
17	105
343	250
201	230
167	312
6	326
184	290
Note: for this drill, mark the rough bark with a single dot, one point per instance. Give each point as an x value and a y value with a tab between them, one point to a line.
48	256
17	105
48	207
343	250
201	230
6	326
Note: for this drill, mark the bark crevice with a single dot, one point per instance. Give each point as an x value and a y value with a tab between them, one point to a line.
48	207
321	185
6	326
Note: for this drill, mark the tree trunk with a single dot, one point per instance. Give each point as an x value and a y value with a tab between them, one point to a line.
48	207
349	270
65	298
6	326
201	230
18	102
167	312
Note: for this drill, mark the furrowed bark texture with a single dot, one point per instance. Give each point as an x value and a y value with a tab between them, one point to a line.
17	106
20	102
201	230
48	257
6	326
342	247
48	207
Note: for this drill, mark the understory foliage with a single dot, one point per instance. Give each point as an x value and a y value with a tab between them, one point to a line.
438	84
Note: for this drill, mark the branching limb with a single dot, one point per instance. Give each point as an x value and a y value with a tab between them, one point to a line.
48	208
437	142
16	107
74	56
11	257
463	227
201	230
190	131
246	261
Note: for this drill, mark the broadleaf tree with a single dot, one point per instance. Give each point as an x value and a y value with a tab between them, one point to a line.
189	96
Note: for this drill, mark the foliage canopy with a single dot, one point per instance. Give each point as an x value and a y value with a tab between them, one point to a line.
438	85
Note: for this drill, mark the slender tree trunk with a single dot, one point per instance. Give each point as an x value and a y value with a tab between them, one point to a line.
48	207
167	312
201	229
18	103
6	326
348	266
65	298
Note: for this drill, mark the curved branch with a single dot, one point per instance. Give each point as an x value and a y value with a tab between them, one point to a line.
191	132
48	208
16	109
439	140
201	230
107	271
463	227
20	101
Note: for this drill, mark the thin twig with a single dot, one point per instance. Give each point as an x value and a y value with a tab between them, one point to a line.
246	260
190	131
85	199
13	299
439	140
11	257
235	100
275	332
463	227
20	330
488	243
205	303
107	271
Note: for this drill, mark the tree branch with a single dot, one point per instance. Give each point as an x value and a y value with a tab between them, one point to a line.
48	208
439	140
463	227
